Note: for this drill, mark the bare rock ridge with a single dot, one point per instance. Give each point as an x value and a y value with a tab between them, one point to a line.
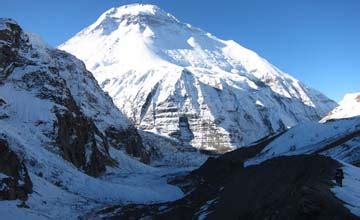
161	72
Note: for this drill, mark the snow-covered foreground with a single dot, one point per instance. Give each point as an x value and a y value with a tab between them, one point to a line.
61	191
350	192
136	183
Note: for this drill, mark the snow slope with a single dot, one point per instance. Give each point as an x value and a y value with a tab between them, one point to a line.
348	107
338	139
184	82
350	192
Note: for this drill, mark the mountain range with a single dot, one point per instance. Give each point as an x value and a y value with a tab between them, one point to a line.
141	116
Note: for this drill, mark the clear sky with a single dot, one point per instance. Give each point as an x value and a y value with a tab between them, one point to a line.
317	41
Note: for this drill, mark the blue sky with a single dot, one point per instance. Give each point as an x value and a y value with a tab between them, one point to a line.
317	41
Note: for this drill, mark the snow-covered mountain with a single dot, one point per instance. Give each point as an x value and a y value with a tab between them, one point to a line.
67	151
348	107
65	148
176	79
47	96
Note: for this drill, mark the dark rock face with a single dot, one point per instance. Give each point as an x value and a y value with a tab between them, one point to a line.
357	98
10	37
82	143
282	188
130	140
3	114
184	133
147	103
16	183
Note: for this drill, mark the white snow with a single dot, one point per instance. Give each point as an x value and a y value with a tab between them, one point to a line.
348	107
132	182
259	103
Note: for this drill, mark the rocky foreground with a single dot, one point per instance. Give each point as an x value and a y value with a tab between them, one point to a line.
284	186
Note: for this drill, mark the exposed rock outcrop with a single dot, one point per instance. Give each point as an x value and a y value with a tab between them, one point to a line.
82	143
129	140
15	182
10	36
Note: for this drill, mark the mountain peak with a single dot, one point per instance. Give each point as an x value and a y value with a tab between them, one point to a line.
136	9
133	14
